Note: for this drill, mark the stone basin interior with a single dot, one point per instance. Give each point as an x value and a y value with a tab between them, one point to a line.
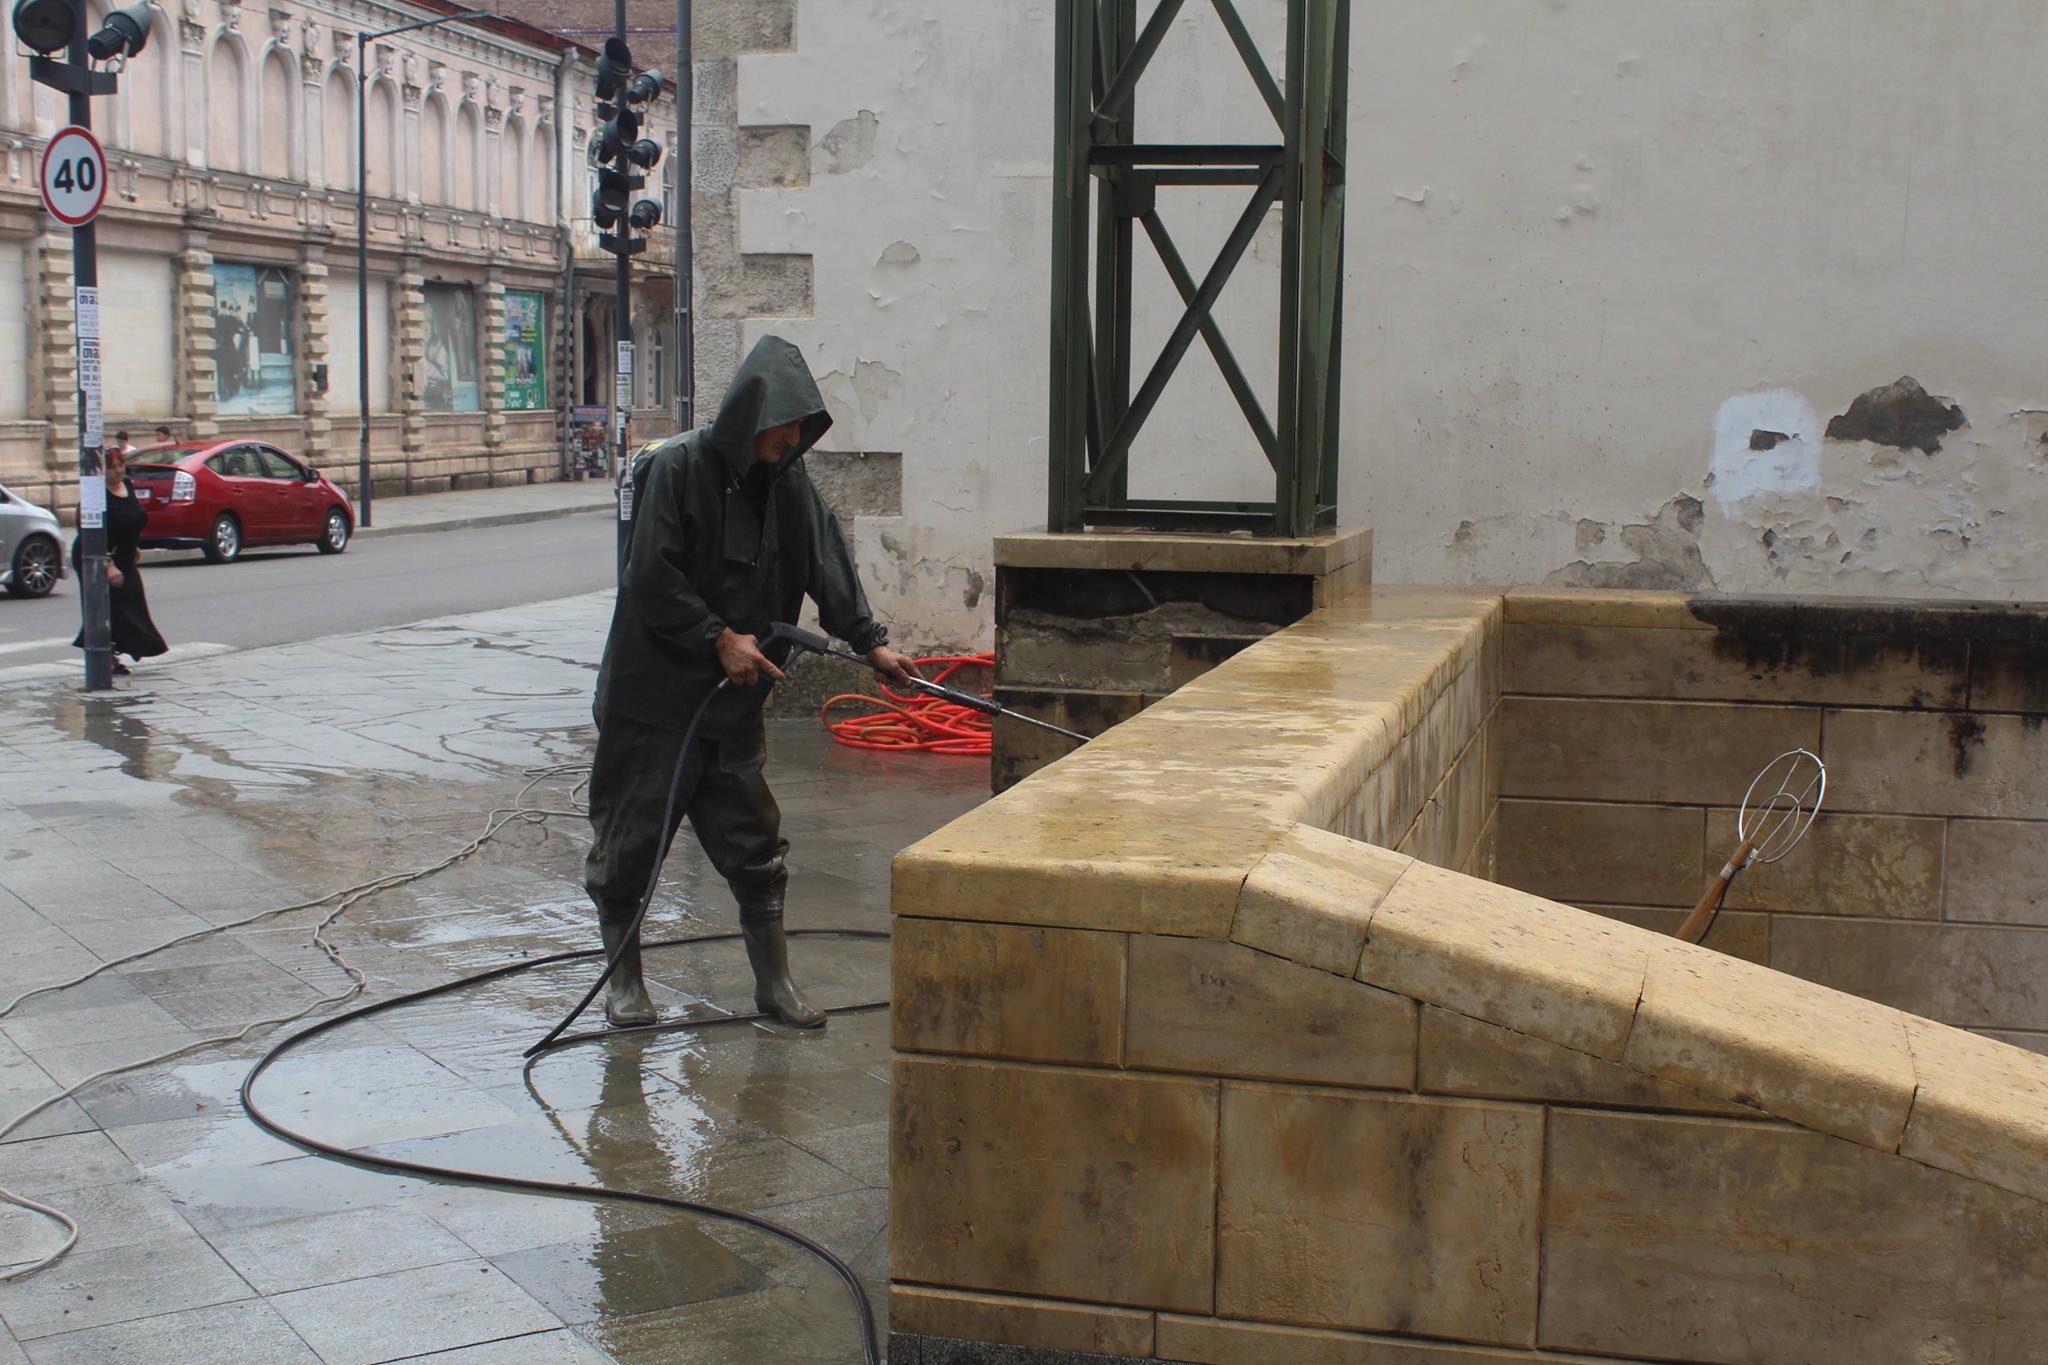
1273	1025
1631	727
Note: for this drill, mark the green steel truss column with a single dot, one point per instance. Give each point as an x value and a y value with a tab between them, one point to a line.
1100	55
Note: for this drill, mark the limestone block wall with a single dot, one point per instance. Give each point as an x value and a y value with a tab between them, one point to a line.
1633	721
1183	1074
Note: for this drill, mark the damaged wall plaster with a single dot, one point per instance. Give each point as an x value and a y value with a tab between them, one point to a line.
1900	414
1660	247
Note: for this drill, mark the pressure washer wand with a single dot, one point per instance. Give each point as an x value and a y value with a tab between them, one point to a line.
988	706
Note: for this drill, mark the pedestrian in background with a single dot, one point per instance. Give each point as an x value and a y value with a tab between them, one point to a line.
163	436
134	633
123	444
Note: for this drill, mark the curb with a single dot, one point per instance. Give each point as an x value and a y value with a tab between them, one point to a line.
489	519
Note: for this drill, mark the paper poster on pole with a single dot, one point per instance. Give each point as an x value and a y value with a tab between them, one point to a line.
88	304
92	500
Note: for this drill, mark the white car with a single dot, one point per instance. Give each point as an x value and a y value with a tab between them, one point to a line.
31	547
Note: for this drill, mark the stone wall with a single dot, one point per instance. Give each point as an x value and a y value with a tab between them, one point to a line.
1635	720
1183	1074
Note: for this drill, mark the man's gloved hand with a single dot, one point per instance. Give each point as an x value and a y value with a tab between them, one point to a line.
892	665
741	658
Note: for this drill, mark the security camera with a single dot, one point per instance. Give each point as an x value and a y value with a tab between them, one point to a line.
125	34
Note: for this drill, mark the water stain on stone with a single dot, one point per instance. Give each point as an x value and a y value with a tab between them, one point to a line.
1966	733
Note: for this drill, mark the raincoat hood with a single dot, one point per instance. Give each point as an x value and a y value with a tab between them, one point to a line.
772	386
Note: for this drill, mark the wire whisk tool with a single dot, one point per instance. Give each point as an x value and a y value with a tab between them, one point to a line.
1797	782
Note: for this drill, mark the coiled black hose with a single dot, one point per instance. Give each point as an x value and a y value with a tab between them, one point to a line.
554	1040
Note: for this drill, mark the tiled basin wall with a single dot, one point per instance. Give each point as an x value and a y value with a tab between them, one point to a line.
1633	721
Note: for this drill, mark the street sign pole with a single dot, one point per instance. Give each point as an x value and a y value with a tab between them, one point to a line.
94	605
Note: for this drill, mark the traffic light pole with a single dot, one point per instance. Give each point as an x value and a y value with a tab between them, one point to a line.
94	602
623	376
686	242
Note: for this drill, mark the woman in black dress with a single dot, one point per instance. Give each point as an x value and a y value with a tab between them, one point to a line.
134	633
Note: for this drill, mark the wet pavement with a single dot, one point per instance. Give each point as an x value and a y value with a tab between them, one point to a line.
222	787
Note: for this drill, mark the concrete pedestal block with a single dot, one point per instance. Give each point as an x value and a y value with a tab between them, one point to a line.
1093	627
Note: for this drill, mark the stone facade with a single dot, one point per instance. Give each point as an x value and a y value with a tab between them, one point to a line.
232	147
1186	1072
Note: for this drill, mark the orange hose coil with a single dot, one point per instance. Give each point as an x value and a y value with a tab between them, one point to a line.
917	723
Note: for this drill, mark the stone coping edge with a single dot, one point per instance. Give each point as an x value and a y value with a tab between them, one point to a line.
1727	1029
1154	826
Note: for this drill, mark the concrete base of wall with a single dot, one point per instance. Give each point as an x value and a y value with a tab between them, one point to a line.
1092	628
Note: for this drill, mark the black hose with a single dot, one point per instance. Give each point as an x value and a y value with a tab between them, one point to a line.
554	1040
870	1346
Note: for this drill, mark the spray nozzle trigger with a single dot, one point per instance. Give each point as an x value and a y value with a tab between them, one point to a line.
788	634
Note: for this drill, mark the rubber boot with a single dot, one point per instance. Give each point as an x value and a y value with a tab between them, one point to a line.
768	954
625	995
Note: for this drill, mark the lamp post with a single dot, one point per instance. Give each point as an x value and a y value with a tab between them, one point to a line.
363	41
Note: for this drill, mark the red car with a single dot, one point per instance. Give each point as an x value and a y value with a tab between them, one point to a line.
224	495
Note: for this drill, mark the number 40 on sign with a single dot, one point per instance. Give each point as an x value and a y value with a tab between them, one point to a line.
74	178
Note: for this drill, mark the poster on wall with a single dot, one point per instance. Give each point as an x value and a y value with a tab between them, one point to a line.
451	361
252	339
526	383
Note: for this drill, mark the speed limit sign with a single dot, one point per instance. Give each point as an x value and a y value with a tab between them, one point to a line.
74	176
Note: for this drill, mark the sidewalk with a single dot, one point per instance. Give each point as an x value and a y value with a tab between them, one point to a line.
414	513
221	787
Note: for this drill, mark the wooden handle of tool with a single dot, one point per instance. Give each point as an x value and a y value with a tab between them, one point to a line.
1702	918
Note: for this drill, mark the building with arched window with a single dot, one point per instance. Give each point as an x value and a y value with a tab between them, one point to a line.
229	296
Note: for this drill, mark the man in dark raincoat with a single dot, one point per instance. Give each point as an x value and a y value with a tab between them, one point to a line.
728	536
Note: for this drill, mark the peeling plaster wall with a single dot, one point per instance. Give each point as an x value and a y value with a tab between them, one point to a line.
1654	231
1615	270
928	216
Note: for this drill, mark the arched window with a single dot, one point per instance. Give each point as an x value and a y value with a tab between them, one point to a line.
381	140
434	152
512	163
227	101
279	114
469	159
341	129
541	202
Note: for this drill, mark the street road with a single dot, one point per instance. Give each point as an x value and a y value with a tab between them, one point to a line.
271	597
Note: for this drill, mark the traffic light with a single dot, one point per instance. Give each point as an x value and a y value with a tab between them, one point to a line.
615	139
45	25
618	151
614	66
608	200
643	87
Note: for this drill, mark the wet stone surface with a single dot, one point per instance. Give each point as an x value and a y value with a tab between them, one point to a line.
207	792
